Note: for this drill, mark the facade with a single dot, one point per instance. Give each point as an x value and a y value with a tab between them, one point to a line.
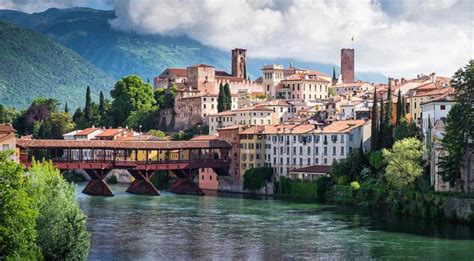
304	86
286	147
353	87
221	120
311	173
347	65
8	139
423	94
272	75
436	109
235	180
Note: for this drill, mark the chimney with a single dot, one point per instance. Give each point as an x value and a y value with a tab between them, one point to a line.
396	82
433	77
390	80
403	81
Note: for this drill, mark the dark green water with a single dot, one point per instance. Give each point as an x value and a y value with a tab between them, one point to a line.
176	227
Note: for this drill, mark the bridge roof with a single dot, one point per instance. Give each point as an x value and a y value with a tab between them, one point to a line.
113	144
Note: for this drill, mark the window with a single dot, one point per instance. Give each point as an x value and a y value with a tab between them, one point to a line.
316	150
442	107
202	177
333	150
325	151
342	151
210	177
325	161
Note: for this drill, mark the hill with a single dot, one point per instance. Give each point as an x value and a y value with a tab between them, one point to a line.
33	65
88	32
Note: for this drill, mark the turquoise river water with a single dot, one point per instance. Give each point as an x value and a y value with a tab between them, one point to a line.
178	227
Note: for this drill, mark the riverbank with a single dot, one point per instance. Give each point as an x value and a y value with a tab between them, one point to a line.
434	207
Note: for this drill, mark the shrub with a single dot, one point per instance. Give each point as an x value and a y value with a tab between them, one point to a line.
343	180
355	185
255	179
323	184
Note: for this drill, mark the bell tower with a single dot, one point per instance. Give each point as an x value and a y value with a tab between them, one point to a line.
347	65
239	63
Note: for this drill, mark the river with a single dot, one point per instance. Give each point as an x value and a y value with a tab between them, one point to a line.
180	227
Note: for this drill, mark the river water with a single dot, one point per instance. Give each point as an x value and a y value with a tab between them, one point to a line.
179	227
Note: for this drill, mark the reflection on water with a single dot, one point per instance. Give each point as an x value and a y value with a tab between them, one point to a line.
131	227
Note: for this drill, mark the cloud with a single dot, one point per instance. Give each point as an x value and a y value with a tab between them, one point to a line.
402	39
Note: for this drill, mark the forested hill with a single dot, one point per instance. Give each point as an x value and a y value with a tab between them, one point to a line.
33	65
88	32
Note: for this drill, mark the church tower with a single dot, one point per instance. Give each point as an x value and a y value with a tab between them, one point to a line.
239	63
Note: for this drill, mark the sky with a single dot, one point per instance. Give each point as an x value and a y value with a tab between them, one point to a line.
398	38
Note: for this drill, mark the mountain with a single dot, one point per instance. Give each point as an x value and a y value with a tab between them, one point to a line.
33	65
88	32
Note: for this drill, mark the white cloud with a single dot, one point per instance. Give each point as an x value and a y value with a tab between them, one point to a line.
421	37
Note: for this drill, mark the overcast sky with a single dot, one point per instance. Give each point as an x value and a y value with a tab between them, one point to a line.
397	38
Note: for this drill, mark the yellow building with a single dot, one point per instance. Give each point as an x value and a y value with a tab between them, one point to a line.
252	148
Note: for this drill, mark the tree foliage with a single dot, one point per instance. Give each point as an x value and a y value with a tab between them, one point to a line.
54	127
17	214
227	98
255	179
130	94
460	128
403	162
221	99
374	124
61	226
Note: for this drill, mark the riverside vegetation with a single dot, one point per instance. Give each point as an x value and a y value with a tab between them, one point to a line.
40	216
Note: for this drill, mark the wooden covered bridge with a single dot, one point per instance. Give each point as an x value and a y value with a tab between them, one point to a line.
141	158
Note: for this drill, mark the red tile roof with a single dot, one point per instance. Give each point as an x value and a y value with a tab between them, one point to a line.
111	132
180	72
111	144
314	169
85	132
6	128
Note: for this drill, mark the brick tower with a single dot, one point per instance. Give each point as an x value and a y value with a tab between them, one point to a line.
347	65
239	63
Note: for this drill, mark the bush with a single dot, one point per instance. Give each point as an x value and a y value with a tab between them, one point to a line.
112	179
323	184
255	179
160	179
343	180
355	185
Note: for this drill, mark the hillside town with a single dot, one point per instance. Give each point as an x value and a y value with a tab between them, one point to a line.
296	121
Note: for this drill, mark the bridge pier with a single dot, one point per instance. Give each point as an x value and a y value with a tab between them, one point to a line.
142	185
184	184
97	185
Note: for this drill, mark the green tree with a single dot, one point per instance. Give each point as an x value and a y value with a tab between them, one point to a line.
50	103
221	99
460	128
403	162
130	94
102	104
381	124
66	109
88	107
54	127
399	108
7	115
157	133
18	216
374	124
227	98
61	226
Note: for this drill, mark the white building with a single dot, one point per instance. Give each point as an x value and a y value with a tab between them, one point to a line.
435	109
295	146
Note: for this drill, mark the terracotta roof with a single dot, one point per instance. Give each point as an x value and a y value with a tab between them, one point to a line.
254	108
342	126
86	131
180	72
205	137
222	73
302	76
110	144
276	102
6	128
111	132
202	65
314	169
4	137
224	113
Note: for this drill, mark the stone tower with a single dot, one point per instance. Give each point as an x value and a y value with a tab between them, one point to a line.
347	65
239	63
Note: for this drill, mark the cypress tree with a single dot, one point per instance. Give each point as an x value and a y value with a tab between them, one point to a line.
220	99
88	108
375	127
101	103
227	98
380	133
66	109
403	111
388	113
399	108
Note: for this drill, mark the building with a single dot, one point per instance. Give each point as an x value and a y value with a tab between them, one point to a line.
8	139
304	86
234	182
85	134
272	75
422	94
286	147
436	109
311	173
353	87
347	65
